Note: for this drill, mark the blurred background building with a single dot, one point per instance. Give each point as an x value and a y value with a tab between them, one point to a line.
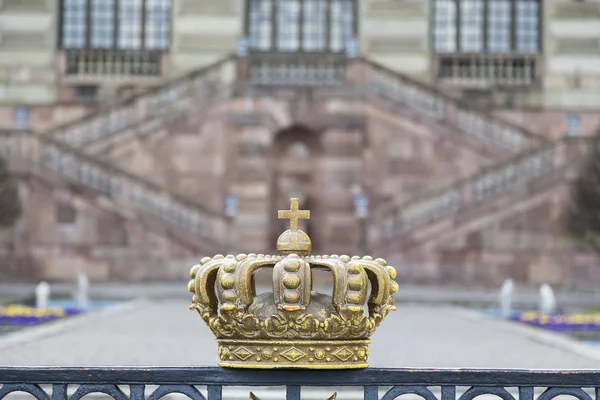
438	134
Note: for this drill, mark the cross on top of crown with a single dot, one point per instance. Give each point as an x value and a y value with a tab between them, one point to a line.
293	214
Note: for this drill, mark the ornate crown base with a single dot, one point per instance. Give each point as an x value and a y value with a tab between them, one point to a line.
308	354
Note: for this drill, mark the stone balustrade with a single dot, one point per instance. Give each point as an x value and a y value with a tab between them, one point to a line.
487	70
386	83
125	189
398	88
523	169
150	110
111	63
479	125
14	145
210	82
294	69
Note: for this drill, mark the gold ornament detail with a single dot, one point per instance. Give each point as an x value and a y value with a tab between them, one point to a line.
293	327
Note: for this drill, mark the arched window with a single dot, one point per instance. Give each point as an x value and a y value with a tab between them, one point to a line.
116	24
300	25
487	26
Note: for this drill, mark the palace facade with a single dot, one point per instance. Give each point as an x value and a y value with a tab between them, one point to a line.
439	134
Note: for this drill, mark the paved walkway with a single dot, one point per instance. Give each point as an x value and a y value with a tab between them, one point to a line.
166	333
484	297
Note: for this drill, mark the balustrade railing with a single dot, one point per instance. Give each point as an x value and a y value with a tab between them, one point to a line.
522	169
294	69
453	112
45	154
125	63
488	70
153	109
150	110
210	383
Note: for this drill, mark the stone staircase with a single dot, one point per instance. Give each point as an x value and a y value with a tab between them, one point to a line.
184	221
76	150
118	129
229	77
470	204
444	114
105	243
149	111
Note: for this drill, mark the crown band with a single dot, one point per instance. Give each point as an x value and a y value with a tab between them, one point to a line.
317	354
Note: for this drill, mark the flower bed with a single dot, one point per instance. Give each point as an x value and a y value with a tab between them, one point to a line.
560	322
21	316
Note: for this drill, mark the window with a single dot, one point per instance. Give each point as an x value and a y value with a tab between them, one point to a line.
301	25
486	26
116	24
260	27
471	26
86	94
288	25
74	23
499	26
313	28
102	23
158	24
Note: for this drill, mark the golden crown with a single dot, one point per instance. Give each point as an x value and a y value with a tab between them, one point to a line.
292	327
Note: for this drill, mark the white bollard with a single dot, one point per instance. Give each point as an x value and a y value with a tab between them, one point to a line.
506	297
547	300
82	296
42	295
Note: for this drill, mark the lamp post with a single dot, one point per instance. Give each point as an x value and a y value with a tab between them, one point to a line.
361	210
231	204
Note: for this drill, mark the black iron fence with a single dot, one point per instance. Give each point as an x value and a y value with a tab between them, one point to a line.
207	383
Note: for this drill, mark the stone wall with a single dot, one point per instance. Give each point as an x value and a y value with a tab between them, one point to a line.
204	31
236	147
552	123
522	240
40	117
66	231
572	54
396	34
28	36
409	158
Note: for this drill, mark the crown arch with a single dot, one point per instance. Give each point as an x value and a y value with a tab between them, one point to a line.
295	153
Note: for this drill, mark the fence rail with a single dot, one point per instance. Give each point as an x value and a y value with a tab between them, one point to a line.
376	383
